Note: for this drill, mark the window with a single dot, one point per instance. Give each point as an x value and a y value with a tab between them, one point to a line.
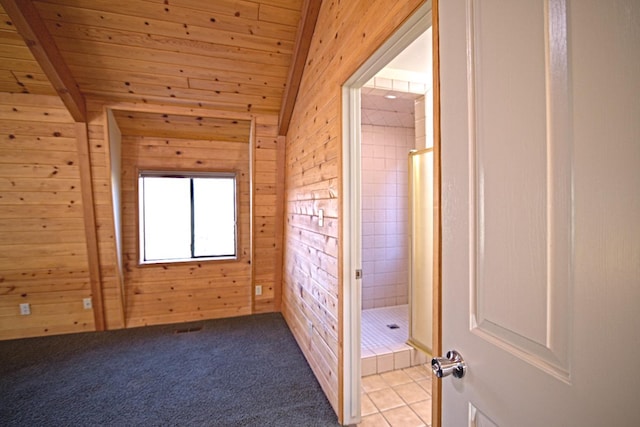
187	216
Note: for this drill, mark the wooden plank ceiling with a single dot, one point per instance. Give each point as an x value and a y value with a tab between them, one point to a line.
224	54
182	127
19	70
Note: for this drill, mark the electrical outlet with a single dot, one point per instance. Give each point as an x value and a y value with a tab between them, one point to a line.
258	290
86	303
25	309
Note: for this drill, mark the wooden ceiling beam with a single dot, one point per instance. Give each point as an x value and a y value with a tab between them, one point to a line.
308	19
31	27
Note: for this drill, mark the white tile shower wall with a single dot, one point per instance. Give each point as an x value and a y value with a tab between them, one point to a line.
421	123
384	214
424	127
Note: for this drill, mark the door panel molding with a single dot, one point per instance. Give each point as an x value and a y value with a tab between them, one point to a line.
521	182
477	418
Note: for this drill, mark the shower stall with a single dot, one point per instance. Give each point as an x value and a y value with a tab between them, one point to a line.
397	188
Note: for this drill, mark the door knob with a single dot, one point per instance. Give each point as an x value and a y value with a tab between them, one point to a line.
452	364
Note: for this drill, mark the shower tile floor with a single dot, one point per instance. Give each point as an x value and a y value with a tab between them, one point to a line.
385	331
396	388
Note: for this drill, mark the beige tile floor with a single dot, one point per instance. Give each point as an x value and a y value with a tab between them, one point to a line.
399	398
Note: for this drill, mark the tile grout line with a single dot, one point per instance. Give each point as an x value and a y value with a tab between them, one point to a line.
389	386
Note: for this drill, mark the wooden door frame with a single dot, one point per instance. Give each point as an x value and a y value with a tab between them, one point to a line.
415	25
436	385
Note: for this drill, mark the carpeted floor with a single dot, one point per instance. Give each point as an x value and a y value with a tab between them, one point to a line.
244	371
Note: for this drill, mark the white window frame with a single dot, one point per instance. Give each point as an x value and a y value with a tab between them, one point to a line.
187	175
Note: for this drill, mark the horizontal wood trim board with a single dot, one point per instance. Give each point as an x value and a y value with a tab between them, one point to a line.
37	129
52	327
73	296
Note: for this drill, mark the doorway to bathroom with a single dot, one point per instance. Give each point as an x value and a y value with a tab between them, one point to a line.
395	167
387	140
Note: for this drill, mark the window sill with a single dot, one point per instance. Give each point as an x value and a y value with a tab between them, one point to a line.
187	261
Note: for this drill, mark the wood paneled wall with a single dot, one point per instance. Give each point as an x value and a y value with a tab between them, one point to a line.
268	213
168	293
347	33
43	249
178	293
43	255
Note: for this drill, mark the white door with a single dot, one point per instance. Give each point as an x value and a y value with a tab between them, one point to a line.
541	211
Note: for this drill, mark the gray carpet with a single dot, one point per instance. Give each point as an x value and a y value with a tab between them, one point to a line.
244	371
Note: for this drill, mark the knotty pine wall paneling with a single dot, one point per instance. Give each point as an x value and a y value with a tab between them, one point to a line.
346	34
176	292
191	291
267	214
43	248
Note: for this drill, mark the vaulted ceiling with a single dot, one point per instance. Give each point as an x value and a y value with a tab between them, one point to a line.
236	55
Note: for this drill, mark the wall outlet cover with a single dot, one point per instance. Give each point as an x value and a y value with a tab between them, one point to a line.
25	309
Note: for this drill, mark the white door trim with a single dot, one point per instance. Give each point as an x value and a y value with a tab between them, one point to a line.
416	25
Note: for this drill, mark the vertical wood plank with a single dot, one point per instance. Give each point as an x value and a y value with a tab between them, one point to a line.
86	186
279	220
436	387
112	152
308	19
252	197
